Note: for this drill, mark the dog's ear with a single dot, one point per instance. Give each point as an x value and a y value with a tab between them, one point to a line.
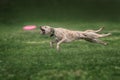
52	32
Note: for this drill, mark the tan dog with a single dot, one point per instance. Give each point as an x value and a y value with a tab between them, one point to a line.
64	35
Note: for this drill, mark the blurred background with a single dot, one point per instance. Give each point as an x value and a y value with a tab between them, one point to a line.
19	11
26	55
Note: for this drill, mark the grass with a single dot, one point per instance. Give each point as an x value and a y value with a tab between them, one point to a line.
26	55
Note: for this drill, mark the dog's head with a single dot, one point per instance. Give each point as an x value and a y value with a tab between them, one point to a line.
46	29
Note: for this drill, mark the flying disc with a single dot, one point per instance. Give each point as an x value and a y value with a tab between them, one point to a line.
29	27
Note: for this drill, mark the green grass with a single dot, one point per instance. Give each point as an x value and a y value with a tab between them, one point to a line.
26	55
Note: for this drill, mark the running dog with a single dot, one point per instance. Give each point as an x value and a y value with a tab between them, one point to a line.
62	35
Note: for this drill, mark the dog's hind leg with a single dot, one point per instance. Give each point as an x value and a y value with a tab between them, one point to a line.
96	41
99	41
104	35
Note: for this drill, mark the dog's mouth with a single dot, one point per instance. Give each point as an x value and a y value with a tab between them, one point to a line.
43	31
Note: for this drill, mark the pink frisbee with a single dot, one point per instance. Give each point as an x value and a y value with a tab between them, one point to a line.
29	27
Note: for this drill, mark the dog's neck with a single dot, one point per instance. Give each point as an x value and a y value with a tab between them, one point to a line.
52	32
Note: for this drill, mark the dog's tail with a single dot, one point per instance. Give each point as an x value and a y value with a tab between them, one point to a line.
94	30
99	29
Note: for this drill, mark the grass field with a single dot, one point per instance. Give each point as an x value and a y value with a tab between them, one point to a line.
26	55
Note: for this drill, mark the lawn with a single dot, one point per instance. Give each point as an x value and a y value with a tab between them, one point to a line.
26	55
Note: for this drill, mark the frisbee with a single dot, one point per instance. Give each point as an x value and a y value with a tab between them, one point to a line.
29	27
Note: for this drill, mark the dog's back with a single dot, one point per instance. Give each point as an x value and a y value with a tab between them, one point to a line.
70	35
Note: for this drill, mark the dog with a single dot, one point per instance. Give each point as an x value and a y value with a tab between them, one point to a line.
62	35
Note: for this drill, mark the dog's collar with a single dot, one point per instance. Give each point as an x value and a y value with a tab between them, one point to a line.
52	32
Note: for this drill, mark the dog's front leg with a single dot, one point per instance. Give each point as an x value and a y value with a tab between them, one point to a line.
53	41
58	44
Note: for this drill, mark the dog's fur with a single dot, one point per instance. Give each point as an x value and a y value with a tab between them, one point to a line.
64	35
